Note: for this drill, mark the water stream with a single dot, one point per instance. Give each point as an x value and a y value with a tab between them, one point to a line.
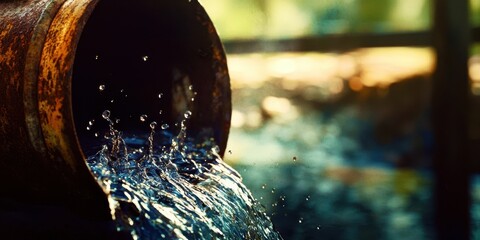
163	185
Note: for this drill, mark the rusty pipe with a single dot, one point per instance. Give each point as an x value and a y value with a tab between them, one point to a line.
48	66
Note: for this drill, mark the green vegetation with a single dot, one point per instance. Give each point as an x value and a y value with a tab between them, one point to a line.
293	18
247	19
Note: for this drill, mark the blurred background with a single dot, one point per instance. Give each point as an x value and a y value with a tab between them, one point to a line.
332	103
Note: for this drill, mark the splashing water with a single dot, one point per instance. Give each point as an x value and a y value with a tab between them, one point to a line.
165	186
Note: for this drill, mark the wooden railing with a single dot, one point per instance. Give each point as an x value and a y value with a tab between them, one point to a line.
336	43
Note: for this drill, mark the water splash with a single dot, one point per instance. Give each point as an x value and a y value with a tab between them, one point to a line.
175	187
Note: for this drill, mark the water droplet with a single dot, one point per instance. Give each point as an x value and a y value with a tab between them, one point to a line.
117	120
96	134
143	118
121	91
160	112
174	144
294	159
96	57
153	125
307	198
165	126
190	87
230	151
187	114
106	114
193	99
300	220
88	128
107	135
318	227
111	101
145	58
264	185
101	87
160	95
91	122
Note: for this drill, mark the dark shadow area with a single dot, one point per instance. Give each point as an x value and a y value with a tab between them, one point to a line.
135	51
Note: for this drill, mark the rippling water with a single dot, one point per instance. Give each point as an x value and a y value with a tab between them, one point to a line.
165	186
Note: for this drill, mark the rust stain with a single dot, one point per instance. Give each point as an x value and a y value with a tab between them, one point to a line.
30	78
9	56
221	92
14	36
17	26
54	118
55	81
24	25
3	33
3	119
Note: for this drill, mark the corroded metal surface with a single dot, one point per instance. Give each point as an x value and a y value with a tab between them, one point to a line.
30	170
221	93
41	160
54	84
18	20
31	75
209	78
54	102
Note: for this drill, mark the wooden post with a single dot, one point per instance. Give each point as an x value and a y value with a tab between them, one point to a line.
451	39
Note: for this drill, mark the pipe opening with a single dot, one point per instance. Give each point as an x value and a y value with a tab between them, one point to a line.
129	53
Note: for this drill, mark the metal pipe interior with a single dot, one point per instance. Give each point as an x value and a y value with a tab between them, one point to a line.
136	51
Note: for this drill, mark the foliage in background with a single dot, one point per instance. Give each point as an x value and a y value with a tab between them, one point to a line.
246	19
294	18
